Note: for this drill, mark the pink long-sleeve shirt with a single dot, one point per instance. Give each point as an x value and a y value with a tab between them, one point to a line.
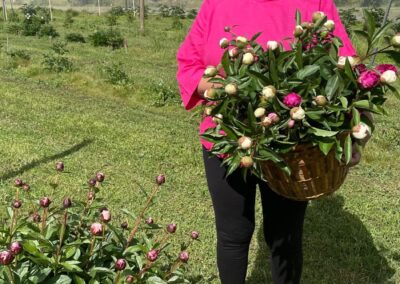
274	18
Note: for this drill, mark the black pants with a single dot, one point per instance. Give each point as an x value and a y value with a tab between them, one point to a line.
234	201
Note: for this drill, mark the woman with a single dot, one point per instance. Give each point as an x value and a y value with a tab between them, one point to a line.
234	199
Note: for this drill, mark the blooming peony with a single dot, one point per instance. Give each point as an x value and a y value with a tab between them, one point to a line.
382	68
368	79
272	44
269	92
292	100
6	257
388	77
245	142
297	113
152	255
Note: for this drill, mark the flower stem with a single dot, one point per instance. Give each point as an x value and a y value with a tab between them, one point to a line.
92	246
117	277
10	275
62	232
176	265
44	219
140	217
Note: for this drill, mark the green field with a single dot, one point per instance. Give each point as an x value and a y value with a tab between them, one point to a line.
136	131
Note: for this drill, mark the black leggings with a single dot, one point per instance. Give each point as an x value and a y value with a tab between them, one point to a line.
234	201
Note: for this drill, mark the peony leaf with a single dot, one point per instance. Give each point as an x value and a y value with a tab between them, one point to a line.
307	71
365	104
348	152
59	279
71	267
378	34
325	147
332	86
393	54
264	80
254	37
356	116
321	132
155	280
78	280
298	17
395	91
226	63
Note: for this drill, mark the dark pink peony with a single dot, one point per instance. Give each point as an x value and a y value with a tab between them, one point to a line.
381	68
292	100
120	264
15	248
194	235
184	256
6	257
368	79
360	68
96	229
152	255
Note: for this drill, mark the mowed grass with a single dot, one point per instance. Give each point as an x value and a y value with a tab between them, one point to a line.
79	118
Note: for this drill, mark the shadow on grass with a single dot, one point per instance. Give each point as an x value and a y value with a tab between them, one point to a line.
36	163
337	249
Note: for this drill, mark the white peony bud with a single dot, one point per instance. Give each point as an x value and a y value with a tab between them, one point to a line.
241	41
233	52
210	93
330	25
211	71
272	44
297	113
352	60
317	16
321	100
269	92
298	31
361	130
231	89
396	40
224	42
246	162
245	142
259	112
389	77
248	58
218	118
266	121
207	111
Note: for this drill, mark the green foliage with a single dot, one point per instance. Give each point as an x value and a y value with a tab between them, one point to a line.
348	18
378	14
171	11
35	19
116	75
57	61
163	93
110	38
48	30
14	28
176	24
75	37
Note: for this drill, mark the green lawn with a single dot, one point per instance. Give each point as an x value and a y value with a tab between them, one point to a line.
77	117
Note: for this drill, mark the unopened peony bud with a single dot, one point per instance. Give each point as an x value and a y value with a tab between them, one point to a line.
92	182
6	257
45	202
317	16
246	162
274	117
120	264
361	130
96	229
388	77
307	25
160	179
18	182
59	166
269	92
15	248
241	41
100	177
210	93
149	221
17	204
245	142
227	29
124	225
210	71
233	52
330	25
91	195
396	40
321	100
266	121
291	123
352	60
231	89
67	203
130	279
248	58
218	118
26	187
208	110
298	31
36	217
224	43
297	113
105	216
184	256
272	44
152	255
171	228
194	235
259	112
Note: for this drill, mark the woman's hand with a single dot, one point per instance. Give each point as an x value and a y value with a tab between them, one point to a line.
205	85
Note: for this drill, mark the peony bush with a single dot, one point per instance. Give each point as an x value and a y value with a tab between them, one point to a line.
270	100
78	241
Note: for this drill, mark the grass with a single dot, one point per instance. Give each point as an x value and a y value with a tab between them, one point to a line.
92	125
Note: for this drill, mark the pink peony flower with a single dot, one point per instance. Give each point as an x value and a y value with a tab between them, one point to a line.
292	100
368	79
194	235
105	216
45	202
15	248
171	228
96	229
120	264
184	256
6	257
360	68
382	68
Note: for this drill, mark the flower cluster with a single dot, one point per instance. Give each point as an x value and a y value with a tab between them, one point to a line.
274	99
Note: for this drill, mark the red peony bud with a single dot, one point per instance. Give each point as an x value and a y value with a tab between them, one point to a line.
120	264
171	228
184	256
194	235
92	182
100	177
44	202
160	179
19	182
17	204
59	166
15	248
36	217
130	279
149	221
6	257
96	229
152	255
67	203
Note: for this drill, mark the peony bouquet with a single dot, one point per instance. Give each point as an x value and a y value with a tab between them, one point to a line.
272	100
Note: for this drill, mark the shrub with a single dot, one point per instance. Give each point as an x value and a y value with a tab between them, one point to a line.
111	38
14	28
57	61
19	57
35	18
191	14
176	24
117	11
48	30
78	241
378	14
75	37
348	17
164	94
116	75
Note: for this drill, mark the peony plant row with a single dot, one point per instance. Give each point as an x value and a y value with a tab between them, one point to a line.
270	100
79	242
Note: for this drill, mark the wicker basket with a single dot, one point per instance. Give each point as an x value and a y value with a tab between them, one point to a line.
313	174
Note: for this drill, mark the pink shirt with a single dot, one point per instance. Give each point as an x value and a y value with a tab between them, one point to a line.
274	18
